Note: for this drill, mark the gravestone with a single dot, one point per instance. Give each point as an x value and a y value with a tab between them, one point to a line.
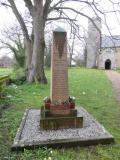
59	110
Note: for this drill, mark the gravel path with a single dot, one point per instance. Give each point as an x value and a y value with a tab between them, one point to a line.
114	77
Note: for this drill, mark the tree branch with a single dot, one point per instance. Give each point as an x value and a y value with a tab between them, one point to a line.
80	13
19	18
58	18
46	9
5	4
29	5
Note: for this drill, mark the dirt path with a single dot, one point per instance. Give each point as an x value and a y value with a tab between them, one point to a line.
114	77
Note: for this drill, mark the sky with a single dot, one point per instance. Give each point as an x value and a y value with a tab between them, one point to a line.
8	19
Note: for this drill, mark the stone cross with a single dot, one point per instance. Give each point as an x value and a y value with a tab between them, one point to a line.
59	81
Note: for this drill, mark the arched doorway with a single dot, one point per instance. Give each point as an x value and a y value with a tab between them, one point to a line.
108	64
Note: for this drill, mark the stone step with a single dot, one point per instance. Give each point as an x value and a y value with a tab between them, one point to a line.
54	123
59	113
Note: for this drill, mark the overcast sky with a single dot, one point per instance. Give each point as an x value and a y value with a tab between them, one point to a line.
8	19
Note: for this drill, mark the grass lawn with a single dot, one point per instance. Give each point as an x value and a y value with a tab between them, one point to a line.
5	71
92	90
118	70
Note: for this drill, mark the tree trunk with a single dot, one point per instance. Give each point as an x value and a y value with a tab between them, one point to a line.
40	75
72	49
70	64
37	63
28	56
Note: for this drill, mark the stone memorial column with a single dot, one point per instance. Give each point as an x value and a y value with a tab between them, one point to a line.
59	110
59	81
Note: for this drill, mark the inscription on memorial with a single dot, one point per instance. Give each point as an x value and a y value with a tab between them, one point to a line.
59	82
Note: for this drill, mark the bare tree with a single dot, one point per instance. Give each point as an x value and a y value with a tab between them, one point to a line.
48	54
41	12
13	41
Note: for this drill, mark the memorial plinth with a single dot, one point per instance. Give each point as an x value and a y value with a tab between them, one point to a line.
59	110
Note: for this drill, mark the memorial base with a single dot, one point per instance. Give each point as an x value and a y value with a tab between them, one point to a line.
60	117
61	122
30	136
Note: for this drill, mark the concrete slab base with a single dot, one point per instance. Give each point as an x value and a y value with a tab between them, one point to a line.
29	134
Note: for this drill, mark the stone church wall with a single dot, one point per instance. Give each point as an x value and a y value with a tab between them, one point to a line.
118	57
108	53
93	42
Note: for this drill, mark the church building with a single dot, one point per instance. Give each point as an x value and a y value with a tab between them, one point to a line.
103	52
